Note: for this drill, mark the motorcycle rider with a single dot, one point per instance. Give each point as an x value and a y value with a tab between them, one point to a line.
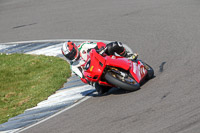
78	56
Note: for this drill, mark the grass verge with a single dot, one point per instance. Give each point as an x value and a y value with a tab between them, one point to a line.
25	80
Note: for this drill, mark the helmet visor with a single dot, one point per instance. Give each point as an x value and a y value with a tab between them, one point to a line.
72	54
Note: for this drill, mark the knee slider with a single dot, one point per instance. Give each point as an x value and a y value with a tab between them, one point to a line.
110	49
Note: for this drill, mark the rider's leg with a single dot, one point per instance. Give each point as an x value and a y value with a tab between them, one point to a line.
116	47
120	50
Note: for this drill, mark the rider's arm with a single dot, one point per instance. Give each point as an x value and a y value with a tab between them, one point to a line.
78	72
87	46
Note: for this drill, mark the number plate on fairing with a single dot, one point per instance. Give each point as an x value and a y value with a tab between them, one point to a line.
139	71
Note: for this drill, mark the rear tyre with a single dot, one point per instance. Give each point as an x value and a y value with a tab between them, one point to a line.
149	69
118	81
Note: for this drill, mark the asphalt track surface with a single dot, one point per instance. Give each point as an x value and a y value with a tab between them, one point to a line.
165	33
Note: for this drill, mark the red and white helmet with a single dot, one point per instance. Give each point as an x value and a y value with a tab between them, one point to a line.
70	51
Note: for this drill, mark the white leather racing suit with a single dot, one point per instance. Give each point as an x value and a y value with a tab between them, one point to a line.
84	49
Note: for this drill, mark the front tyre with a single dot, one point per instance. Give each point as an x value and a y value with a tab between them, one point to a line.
126	83
101	89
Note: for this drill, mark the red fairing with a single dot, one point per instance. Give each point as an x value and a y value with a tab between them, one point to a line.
84	80
117	61
97	63
96	67
138	71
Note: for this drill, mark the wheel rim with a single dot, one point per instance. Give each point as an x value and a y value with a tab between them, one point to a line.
128	79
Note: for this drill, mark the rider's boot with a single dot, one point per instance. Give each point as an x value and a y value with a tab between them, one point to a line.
119	49
132	56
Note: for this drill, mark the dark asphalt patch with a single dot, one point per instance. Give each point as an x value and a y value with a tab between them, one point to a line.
25	25
165	95
162	66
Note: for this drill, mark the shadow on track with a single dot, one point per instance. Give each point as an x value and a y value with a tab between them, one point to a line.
118	91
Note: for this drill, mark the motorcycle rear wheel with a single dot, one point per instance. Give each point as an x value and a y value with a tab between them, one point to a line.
113	78
150	70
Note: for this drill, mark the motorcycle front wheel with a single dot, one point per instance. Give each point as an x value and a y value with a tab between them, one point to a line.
102	89
126	83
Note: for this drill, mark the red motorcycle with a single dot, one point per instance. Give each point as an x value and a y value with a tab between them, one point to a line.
116	71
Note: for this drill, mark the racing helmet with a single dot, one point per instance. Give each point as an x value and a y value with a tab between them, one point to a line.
70	51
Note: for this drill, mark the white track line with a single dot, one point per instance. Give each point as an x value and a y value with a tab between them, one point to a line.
56	40
79	102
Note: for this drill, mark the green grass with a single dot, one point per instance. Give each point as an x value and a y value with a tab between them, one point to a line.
25	80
